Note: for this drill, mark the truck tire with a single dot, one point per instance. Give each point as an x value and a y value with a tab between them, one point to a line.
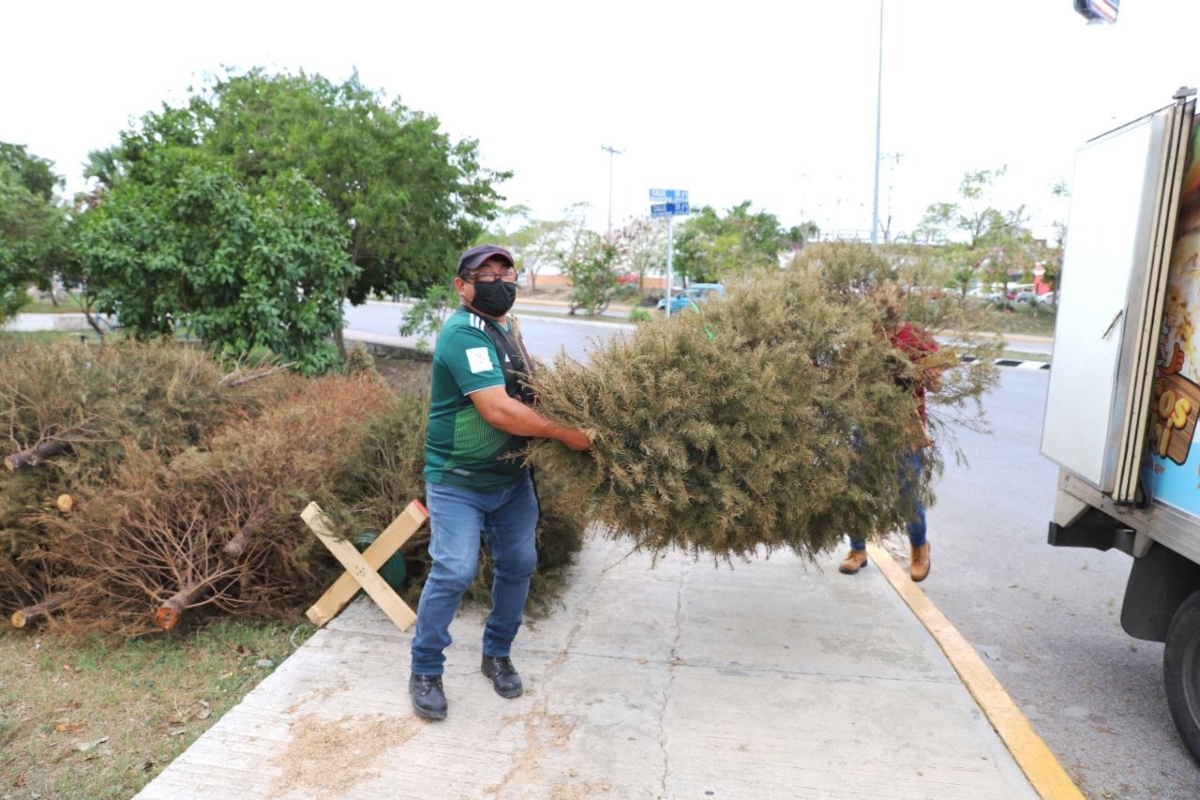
1181	672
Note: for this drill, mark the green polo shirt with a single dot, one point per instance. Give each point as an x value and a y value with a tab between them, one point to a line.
461	449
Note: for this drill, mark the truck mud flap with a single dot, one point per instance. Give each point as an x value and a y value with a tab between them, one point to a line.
1158	584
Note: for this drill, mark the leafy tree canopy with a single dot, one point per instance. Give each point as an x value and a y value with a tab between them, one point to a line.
710	247
534	243
32	226
180	243
980	241
409	198
35	173
393	193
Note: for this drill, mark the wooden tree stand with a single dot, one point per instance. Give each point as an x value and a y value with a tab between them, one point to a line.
362	568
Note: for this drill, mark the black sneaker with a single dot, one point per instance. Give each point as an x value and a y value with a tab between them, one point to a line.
505	679
428	699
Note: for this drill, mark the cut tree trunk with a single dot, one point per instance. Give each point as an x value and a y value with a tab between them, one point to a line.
34	455
32	615
233	550
168	615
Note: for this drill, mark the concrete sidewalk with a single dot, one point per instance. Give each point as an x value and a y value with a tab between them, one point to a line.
773	679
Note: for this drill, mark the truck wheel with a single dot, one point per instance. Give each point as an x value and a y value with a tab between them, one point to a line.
1181	672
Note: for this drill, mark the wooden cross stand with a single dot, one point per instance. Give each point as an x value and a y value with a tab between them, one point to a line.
362	568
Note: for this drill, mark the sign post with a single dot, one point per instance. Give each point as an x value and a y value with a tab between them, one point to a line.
669	203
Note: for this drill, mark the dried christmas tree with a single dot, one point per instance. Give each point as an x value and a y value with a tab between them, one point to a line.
216	527
774	418
72	415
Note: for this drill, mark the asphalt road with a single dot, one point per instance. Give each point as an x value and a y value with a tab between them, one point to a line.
1046	620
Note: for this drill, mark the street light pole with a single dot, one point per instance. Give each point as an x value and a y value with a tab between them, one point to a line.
878	125
612	151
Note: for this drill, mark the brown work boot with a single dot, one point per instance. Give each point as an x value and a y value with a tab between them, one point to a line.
919	567
853	562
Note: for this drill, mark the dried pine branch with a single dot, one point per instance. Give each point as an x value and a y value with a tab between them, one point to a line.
773	419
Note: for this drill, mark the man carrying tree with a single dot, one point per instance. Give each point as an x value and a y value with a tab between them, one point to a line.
916	345
480	415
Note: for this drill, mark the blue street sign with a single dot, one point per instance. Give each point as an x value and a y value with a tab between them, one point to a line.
670	195
669	209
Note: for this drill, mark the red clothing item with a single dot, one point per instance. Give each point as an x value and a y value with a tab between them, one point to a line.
915	343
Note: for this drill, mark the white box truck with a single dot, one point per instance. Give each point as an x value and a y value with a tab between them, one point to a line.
1124	388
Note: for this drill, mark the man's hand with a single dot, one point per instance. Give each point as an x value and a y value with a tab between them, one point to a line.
575	439
932	379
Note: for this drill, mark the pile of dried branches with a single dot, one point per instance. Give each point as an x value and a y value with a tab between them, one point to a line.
773	419
186	504
72	414
216	527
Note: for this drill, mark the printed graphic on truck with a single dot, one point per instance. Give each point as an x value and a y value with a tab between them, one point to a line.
1172	472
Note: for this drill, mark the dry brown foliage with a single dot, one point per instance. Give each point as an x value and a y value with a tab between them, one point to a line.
72	414
181	512
216	527
773	419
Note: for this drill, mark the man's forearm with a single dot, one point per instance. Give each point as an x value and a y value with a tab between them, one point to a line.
519	419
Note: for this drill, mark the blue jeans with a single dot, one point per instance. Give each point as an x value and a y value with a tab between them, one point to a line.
456	516
910	480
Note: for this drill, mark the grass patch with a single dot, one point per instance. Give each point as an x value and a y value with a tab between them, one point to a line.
69	306
1018	355
98	720
1023	319
16	337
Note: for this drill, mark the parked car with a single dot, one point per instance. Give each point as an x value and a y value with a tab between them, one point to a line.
696	293
1035	299
985	294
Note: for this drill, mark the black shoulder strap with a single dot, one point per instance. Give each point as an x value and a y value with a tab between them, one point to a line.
516	363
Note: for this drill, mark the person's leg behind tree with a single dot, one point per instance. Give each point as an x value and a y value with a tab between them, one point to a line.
910	485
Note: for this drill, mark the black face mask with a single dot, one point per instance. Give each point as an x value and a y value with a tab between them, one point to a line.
495	298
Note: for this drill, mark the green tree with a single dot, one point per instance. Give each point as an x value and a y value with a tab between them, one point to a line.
645	247
407	198
537	244
592	270
710	247
426	316
33	226
35	173
1052	255
180	243
978	240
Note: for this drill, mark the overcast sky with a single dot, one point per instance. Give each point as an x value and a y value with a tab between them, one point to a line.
771	101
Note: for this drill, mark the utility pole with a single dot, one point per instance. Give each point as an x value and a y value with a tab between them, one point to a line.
612	151
878	125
